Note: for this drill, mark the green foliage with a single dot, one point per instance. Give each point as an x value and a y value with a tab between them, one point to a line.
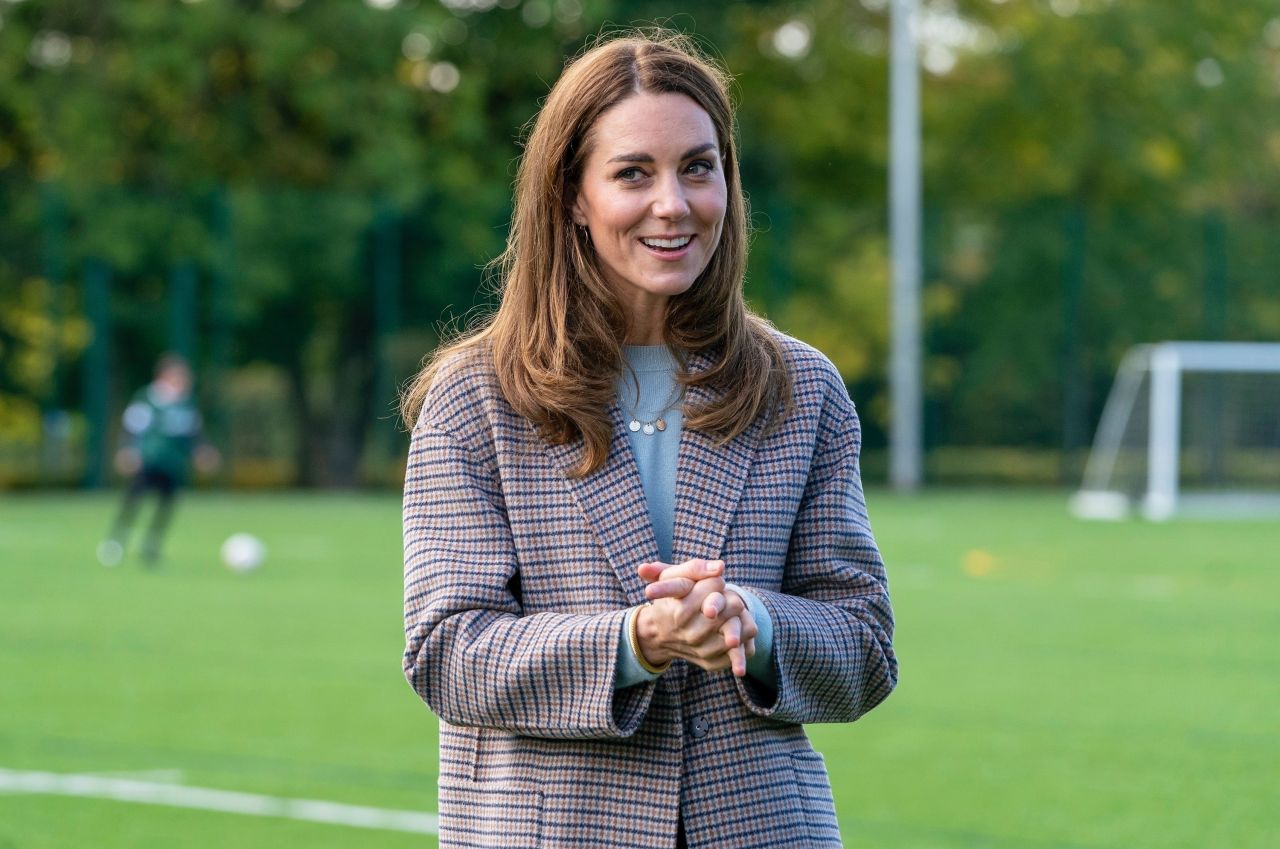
1077	156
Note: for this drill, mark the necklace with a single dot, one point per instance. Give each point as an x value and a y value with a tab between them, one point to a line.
648	428
655	425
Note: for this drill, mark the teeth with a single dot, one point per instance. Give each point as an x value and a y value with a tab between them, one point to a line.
678	242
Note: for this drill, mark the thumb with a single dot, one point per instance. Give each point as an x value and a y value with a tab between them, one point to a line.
651	571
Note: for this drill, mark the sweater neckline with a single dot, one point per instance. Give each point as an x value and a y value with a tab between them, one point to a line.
649	358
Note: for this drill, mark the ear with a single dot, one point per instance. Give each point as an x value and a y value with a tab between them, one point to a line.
577	211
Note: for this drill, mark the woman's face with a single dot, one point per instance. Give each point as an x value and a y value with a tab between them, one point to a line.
652	196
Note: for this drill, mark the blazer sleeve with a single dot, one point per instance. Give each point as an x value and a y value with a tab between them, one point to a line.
471	653
832	622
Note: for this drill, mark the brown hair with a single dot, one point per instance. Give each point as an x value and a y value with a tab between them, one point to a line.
555	339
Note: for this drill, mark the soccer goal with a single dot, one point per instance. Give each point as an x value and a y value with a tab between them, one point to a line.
1190	428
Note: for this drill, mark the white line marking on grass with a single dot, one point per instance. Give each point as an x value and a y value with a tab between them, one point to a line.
208	799
164	776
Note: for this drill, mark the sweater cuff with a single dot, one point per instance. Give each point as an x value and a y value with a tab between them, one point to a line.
628	671
759	665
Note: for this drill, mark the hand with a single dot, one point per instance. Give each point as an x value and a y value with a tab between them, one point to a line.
678	581
207	459
695	617
128	461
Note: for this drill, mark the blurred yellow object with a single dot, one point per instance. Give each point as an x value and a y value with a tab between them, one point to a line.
978	563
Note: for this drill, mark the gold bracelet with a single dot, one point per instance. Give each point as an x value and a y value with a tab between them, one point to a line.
634	633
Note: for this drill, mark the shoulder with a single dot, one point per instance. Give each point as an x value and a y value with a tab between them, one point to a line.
465	402
817	386
463	390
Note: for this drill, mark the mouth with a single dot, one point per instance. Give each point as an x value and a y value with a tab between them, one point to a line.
672	247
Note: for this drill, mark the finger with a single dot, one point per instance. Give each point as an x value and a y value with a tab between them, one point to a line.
698	569
713	604
749	628
692	617
732	633
751	647
669	588
736	653
733	606
652	571
704	589
707	568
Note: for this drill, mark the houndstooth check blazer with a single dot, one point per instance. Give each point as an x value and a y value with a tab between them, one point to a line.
517	581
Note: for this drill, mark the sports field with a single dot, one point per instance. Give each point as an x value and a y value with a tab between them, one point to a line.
1064	684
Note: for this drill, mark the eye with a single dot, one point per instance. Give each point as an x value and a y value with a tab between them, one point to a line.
629	175
701	167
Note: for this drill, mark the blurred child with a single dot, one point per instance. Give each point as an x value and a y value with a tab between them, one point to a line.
162	430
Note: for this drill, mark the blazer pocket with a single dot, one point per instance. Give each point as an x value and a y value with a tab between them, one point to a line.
820	809
490	814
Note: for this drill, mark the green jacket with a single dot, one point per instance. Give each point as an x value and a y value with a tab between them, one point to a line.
164	431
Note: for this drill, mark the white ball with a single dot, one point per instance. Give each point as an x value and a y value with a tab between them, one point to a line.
243	552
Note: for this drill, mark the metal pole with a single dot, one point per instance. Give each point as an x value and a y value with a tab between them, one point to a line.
222	318
97	371
182	310
1075	405
905	440
54	220
1214	416
54	421
387	275
1162	452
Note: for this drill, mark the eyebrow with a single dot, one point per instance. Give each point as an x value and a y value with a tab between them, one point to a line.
644	157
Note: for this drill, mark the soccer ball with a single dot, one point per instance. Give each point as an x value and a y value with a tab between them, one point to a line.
243	552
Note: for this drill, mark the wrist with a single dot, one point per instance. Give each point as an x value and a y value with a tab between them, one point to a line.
646	643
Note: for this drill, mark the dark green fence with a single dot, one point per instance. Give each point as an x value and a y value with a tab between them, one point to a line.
304	311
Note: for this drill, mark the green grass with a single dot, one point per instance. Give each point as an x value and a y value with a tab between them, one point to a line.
1064	684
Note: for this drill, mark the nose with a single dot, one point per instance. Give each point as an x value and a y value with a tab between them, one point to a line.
670	202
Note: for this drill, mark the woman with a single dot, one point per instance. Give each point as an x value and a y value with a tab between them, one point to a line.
590	469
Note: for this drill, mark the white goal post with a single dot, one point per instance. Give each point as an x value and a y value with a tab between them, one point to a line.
1190	428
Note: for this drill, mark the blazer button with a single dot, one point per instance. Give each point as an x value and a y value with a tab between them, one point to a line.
699	727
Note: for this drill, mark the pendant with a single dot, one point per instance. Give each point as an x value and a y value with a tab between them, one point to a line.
648	428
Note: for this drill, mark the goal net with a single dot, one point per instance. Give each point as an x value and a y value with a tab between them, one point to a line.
1190	428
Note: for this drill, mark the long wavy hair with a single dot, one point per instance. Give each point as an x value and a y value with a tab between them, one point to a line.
555	339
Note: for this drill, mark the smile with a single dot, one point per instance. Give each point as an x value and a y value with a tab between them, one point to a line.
672	244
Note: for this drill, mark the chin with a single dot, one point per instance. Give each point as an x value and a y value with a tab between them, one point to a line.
670	285
668	291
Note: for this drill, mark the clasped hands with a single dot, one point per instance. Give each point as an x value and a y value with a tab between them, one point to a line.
694	616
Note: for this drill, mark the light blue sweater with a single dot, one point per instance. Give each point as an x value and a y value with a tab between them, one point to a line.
648	390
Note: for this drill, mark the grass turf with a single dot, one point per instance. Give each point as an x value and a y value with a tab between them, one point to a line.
1064	684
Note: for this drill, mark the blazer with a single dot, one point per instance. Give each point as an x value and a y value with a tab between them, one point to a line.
517	582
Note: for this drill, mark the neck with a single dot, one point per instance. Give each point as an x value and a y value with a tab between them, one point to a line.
646	319
647	329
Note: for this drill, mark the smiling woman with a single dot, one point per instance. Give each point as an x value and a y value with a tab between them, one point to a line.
652	198
637	555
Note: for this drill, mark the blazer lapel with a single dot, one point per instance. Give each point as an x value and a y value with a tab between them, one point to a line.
709	481
612	498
